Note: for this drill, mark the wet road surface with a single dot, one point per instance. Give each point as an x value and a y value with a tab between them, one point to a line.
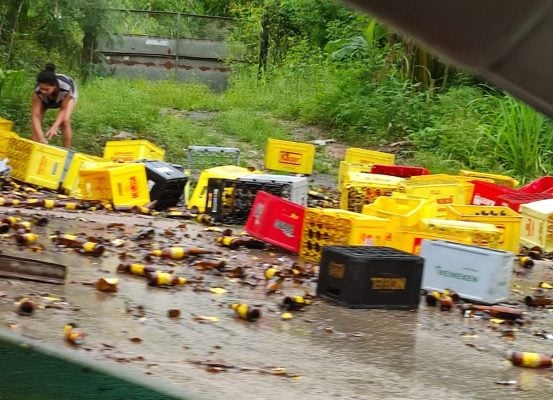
328	352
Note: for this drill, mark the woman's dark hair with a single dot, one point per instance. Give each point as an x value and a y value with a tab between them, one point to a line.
48	75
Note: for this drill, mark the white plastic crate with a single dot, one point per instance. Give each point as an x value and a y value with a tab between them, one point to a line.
475	273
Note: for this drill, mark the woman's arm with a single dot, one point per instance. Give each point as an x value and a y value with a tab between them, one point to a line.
36	119
59	118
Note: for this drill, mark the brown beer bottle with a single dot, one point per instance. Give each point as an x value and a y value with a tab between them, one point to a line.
246	312
135	269
234	242
178	253
496	311
530	360
10	220
81	244
158	278
23	226
538	301
209	264
294	303
25	238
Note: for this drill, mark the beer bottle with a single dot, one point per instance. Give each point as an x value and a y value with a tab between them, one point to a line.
39	220
274	284
158	278
179	214
530	360
246	312
496	311
9	202
271	272
23	226
81	244
234	242
526	262
204	219
74	335
294	303
432	298
446	302
177	253
538	301
135	269
25	238
10	220
210	264
4	228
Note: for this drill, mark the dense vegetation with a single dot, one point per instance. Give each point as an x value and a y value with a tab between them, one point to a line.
312	61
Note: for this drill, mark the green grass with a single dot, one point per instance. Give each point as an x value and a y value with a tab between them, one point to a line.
466	127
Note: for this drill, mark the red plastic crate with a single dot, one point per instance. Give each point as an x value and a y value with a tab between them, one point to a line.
276	220
402	171
540	185
487	193
516	199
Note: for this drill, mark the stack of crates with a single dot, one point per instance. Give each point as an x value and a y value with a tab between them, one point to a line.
364	189
537	225
198	200
165	182
230	201
361	160
441	188
132	150
505	219
323	227
36	163
287	156
124	185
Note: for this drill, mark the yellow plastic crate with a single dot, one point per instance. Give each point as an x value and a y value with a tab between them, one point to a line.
283	155
364	156
402	212
131	150
70	183
36	163
199	196
537	224
503	218
471	233
346	167
499	179
122	184
439	187
5	137
6	125
324	227
364	188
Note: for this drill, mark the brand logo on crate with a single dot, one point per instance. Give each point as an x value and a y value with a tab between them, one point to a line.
336	270
289	157
134	187
286	228
445	200
455	275
388	283
41	166
482	201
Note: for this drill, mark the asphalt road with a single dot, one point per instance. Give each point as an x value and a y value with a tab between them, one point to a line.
323	352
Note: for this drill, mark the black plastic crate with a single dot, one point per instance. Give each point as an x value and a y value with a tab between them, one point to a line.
370	277
166	183
230	201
